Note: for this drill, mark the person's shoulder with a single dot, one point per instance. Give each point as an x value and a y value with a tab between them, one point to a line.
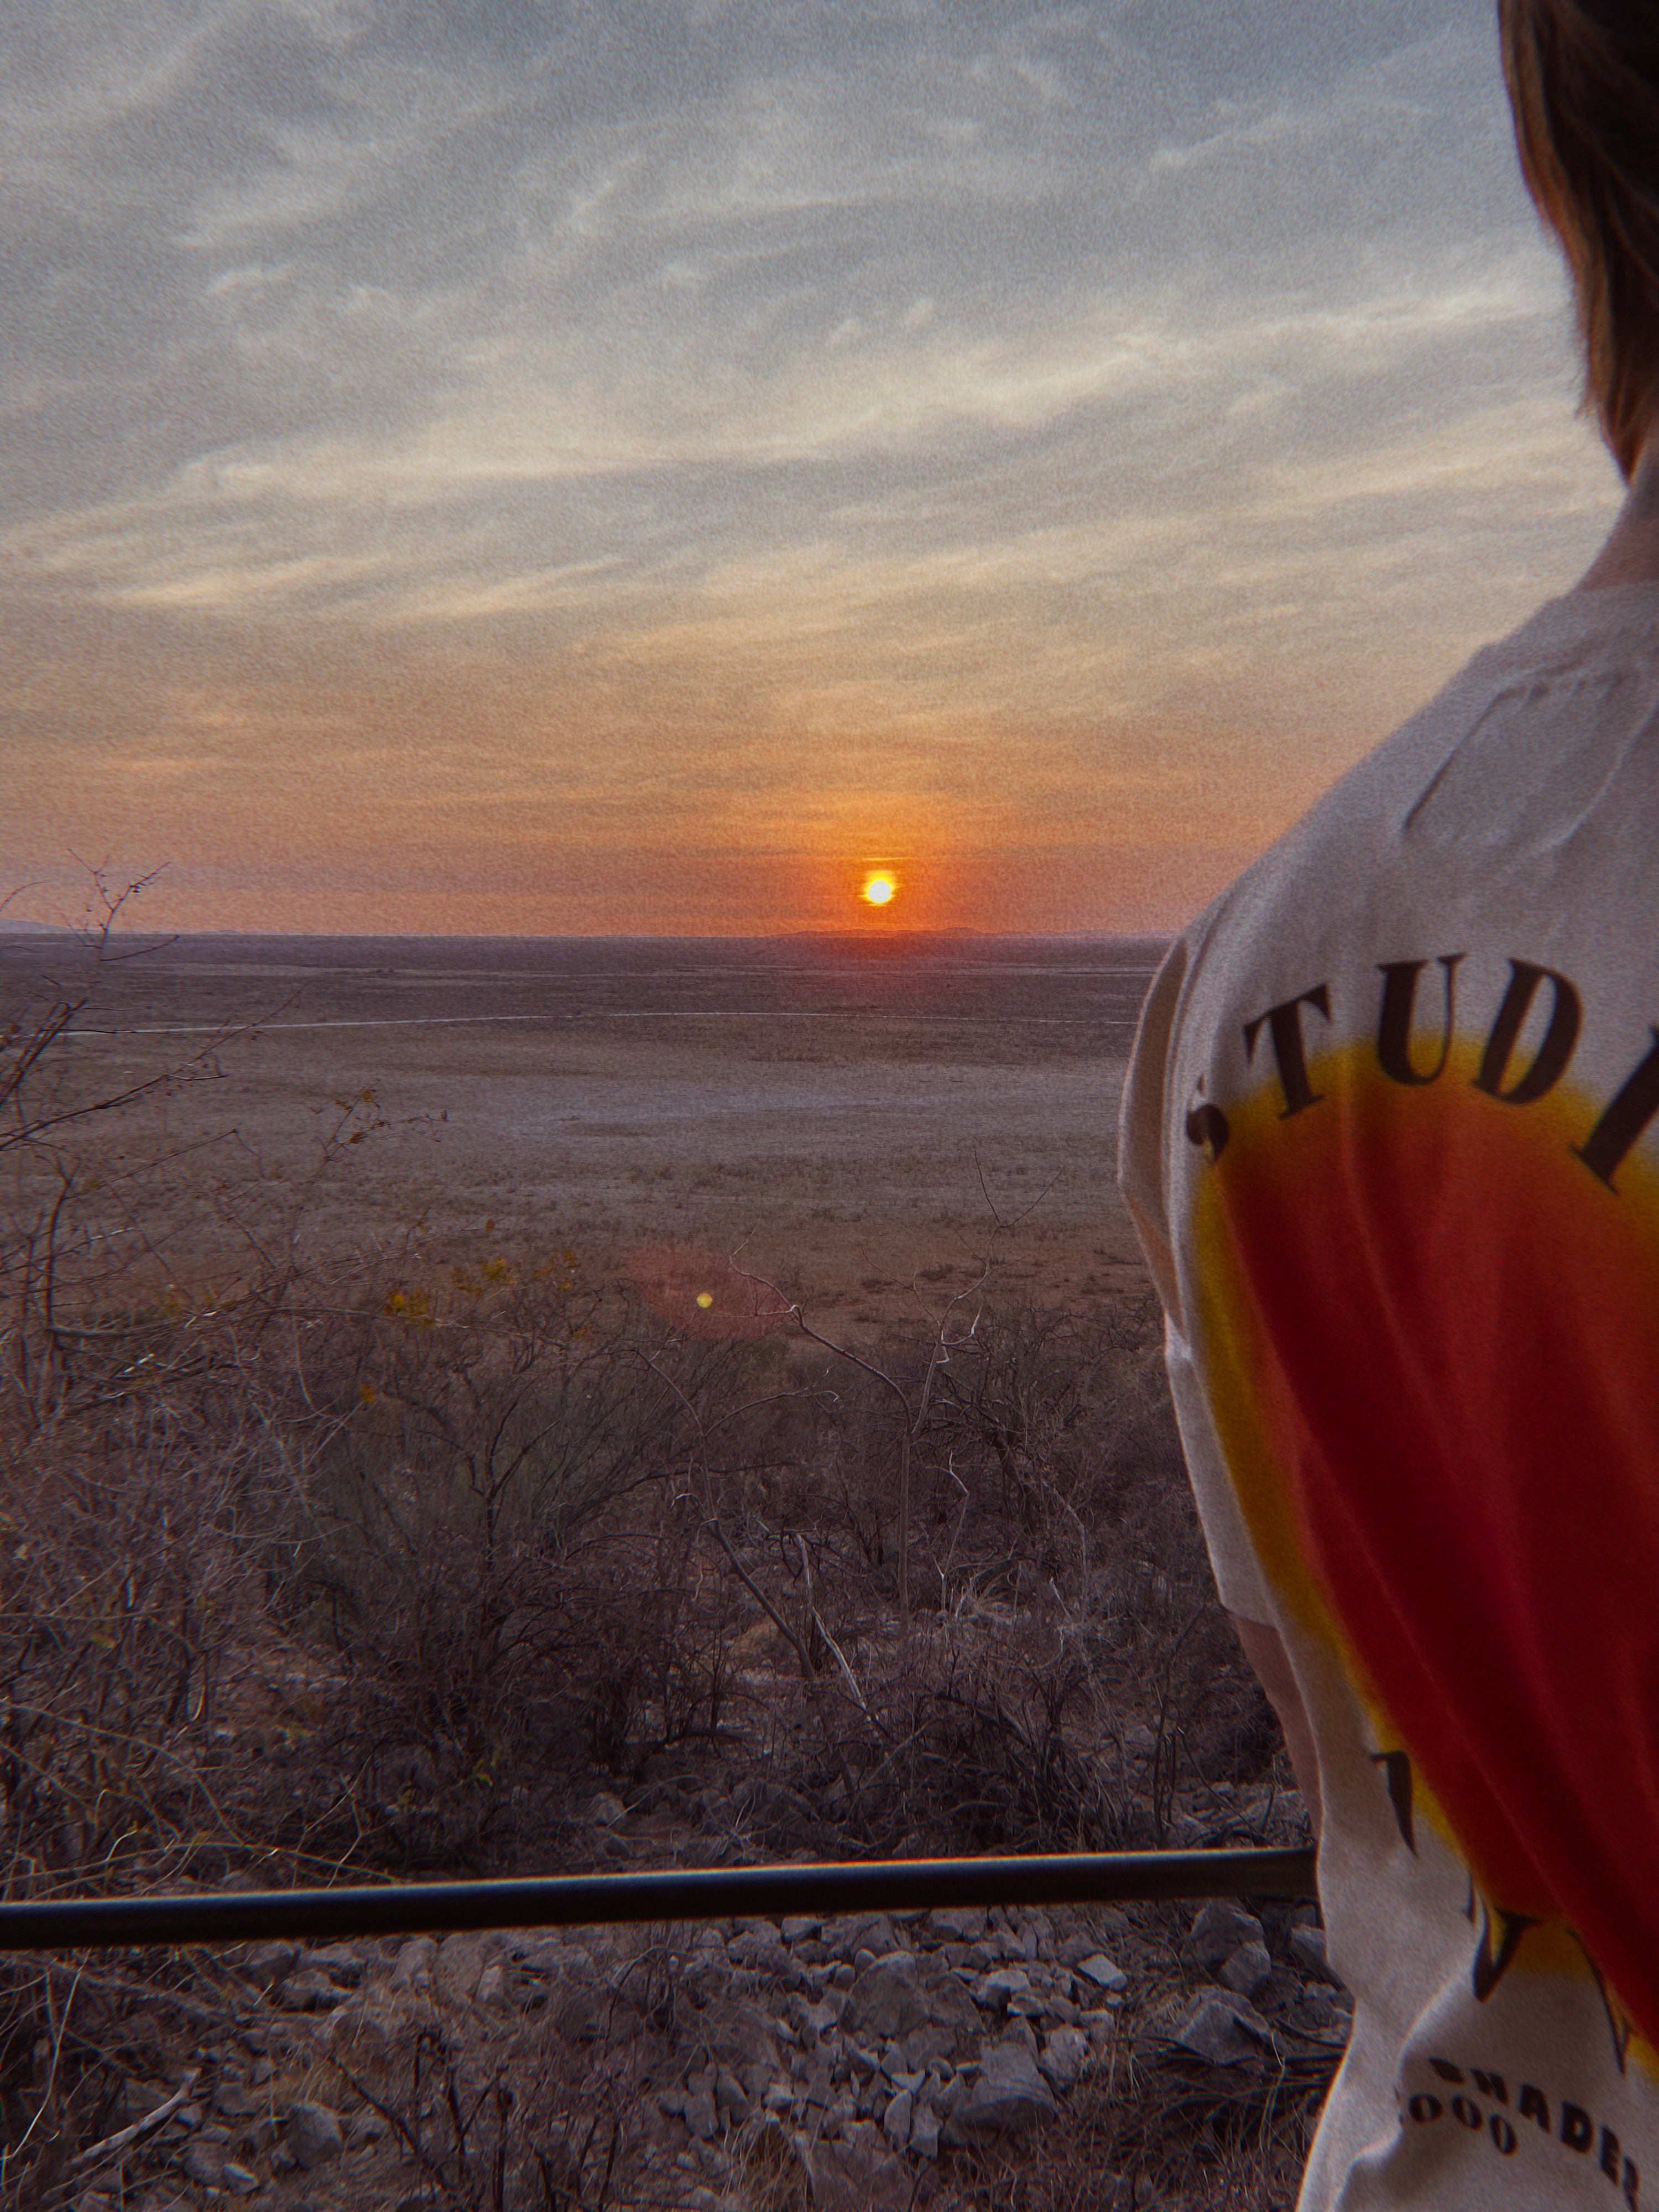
1433	820
1353	845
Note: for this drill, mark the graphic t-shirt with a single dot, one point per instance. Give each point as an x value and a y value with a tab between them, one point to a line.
1391	1137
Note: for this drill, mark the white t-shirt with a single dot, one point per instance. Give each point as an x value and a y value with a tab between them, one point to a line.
1391	1137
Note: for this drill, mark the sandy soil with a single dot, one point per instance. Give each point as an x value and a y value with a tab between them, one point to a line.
864	1134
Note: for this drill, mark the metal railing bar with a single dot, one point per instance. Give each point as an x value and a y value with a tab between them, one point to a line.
676	1893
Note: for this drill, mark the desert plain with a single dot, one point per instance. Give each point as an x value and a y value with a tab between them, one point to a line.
865	1121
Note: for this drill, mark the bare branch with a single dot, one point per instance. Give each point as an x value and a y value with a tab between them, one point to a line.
105	2152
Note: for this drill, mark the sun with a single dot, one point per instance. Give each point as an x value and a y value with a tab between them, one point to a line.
880	888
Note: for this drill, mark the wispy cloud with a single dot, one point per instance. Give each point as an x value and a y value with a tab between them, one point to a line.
914	376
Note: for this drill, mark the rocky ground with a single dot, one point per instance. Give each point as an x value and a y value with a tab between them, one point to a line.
851	2064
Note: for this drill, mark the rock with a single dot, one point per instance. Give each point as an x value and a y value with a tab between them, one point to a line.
957	1924
204	2163
740	2035
854	1932
362	2032
732	2100
1028	1934
413	1970
858	2174
268	1963
1318	2009
1307	1946
814	2019
232	2101
924	2130
342	1964
1249	1970
576	2014
995	1990
952	2092
136	2100
1220	2027
1100	1970
890	2000
1010	2095
553	1956
460	1961
313	2135
924	2046
874	2054
607	1809
896	2120
1065	2056
309	1993
762	1952
238	2179
1218	1929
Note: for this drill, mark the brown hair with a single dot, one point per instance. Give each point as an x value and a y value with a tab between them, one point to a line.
1583	85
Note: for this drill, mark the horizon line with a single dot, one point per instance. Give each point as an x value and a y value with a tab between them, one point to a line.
33	929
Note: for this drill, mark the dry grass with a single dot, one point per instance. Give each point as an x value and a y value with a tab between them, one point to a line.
1178	2136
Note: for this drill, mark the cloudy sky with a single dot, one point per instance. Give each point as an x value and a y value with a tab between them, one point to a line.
628	464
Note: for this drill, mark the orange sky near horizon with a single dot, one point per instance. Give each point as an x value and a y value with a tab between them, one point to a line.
470	791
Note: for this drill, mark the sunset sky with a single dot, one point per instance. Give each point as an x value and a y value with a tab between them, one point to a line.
510	465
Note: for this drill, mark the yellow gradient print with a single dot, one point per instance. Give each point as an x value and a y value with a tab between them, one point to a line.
1432	1335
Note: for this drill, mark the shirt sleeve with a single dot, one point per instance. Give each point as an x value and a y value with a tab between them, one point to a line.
1238	1574
1143	1139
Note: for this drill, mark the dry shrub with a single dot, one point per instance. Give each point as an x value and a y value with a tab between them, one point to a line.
385	1579
501	1560
487	2130
392	1562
